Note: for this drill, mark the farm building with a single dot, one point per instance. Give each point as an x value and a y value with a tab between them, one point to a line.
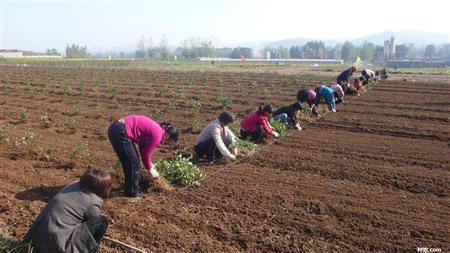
11	54
26	54
421	63
274	61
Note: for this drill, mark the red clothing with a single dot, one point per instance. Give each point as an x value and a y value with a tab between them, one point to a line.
249	124
147	133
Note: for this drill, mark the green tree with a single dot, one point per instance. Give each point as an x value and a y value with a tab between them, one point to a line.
401	51
430	51
241	51
295	52
348	53
367	51
444	51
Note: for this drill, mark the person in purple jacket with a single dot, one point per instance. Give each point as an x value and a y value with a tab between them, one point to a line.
148	134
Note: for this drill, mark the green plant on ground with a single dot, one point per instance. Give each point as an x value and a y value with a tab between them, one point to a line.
45	120
280	127
81	151
23	116
3	136
26	140
179	171
267	94
179	94
8	245
195	105
67	87
284	82
171	103
113	90
157	113
223	99
245	144
195	125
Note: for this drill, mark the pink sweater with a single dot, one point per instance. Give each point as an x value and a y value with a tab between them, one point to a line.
146	133
249	124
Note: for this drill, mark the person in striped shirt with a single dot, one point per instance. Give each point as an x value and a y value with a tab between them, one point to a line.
328	94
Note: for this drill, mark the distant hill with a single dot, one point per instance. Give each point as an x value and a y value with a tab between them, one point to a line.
419	38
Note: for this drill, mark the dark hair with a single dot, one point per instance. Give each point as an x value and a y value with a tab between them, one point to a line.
297	106
97	181
172	132
265	109
226	118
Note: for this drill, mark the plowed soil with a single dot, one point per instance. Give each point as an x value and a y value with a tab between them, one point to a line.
373	177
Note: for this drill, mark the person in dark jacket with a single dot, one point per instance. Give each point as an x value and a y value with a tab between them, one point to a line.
256	125
342	79
308	96
71	220
327	93
289	114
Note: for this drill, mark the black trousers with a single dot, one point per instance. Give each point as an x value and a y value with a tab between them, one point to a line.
128	157
97	227
256	136
209	149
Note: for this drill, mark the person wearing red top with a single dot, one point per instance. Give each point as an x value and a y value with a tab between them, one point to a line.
257	125
148	134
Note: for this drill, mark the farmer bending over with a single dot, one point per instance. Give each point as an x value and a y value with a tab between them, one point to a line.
308	96
343	78
148	134
214	140
256	125
338	93
289	114
328	94
71	220
367	76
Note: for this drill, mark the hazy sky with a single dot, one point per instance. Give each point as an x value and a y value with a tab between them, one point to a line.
37	25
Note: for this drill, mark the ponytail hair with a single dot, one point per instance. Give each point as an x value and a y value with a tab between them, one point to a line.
172	132
265	109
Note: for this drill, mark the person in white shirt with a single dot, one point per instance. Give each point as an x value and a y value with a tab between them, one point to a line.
215	139
367	75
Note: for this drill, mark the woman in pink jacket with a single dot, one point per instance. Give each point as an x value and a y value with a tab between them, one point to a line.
257	125
148	134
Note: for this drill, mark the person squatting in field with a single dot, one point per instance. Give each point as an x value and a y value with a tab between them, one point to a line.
355	88
367	76
148	134
215	139
256	125
384	74
327	93
344	77
338	93
71	220
289	114
308	96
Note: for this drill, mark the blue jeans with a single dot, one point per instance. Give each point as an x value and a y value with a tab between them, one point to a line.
128	157
281	117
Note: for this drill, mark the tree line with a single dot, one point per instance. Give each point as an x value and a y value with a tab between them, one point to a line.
196	47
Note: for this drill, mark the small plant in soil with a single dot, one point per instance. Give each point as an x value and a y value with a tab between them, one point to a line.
223	99
23	116
3	136
45	120
179	171
81	151
26	140
280	127
245	144
179	94
67	87
113	90
171	103
195	125
195	106
267	94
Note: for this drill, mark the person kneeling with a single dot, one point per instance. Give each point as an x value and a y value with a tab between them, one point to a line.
216	136
256	126
71	220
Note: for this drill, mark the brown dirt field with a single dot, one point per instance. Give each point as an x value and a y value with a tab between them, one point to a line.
373	177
